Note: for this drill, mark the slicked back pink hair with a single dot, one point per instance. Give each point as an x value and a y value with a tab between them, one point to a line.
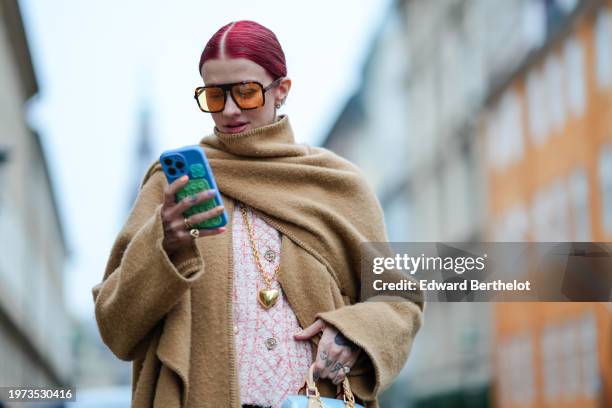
250	40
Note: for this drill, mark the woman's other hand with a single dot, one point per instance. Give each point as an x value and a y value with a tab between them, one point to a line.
176	233
335	353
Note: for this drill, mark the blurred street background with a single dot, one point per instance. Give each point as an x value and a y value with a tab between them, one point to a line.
474	120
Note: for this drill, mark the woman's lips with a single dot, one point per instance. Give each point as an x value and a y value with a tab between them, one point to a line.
236	127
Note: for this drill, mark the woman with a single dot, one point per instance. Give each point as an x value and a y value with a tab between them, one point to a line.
237	315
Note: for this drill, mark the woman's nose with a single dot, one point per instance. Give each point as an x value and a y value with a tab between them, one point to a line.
230	107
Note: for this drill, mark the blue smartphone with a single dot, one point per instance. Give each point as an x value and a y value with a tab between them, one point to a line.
191	161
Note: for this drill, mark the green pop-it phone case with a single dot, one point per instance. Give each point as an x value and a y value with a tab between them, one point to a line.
196	186
191	161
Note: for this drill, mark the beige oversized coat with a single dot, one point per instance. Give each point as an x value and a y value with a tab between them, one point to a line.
173	317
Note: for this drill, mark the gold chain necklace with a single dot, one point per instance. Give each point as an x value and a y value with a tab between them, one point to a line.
268	296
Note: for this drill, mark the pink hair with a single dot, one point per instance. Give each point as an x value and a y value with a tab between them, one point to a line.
250	40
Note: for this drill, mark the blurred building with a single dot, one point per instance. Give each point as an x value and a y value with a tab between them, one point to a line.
35	330
96	366
553	355
98	370
433	125
546	130
412	124
412	127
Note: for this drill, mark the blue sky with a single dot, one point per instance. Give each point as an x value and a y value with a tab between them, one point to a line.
100	63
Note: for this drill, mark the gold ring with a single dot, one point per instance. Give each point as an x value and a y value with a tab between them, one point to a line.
187	224
195	233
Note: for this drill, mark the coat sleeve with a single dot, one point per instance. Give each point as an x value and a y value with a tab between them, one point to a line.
385	332
141	283
384	327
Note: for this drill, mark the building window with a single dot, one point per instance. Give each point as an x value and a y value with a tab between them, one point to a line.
493	139
536	102
550	213
450	83
570	361
579	203
505	131
560	204
589	366
603	48
457	191
540	215
605	178
550	362
553	72
513	225
573	54
518	376
12	241
511	127
534	23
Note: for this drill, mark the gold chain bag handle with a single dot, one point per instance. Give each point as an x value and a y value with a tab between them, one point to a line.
314	398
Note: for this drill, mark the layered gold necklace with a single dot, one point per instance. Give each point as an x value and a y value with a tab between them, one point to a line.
267	296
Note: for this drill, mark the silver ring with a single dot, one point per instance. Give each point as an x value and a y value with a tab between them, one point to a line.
346	369
195	233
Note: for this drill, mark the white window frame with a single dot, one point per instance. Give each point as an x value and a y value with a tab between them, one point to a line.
603	48
574	60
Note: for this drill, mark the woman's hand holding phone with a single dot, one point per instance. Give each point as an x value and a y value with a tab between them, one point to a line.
176	234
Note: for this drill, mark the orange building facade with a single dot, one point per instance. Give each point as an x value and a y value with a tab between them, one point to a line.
547	152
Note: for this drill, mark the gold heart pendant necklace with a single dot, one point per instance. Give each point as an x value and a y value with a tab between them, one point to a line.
268	296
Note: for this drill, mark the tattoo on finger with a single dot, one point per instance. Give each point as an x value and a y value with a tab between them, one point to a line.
326	360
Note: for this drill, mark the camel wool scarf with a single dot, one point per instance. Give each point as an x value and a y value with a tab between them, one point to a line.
172	317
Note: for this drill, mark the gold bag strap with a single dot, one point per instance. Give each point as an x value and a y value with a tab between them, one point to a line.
314	398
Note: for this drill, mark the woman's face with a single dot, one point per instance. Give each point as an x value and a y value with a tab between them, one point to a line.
232	119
